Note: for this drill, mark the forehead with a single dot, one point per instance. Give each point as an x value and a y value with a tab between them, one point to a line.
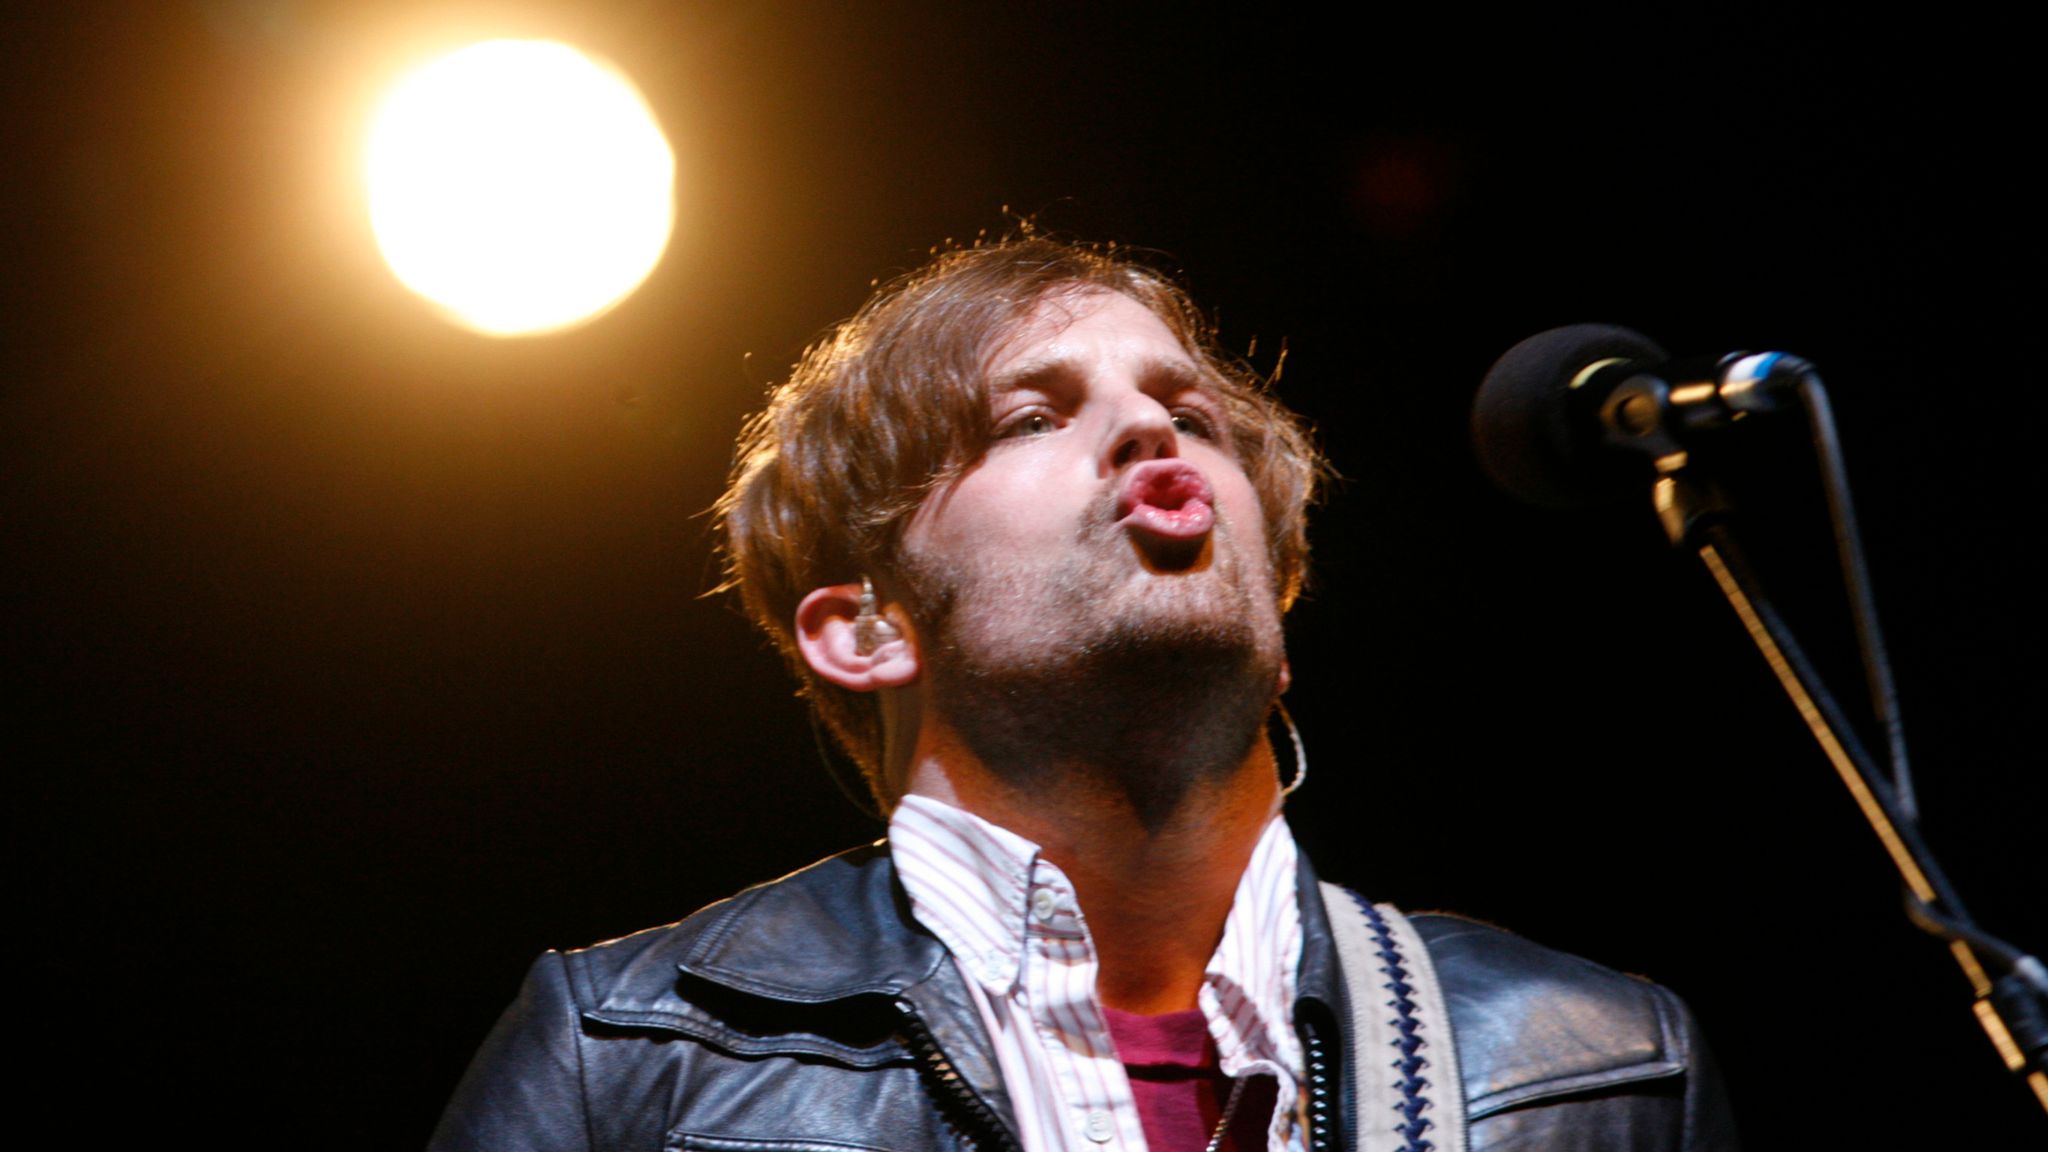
1086	327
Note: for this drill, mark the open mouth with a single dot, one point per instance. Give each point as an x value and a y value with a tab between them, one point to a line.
1169	510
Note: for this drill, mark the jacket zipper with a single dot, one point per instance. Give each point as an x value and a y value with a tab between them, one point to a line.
970	1113
1323	1089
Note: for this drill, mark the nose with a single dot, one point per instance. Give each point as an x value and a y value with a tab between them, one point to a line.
1144	431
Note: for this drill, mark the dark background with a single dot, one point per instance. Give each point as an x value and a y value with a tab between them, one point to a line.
355	659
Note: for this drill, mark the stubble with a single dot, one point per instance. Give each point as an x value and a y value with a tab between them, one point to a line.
1092	669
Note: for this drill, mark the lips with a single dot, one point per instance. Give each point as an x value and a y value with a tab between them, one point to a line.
1167	499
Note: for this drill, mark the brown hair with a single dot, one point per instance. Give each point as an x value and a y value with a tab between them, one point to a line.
894	402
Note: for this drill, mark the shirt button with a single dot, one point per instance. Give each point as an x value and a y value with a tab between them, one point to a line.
1044	904
1100	1127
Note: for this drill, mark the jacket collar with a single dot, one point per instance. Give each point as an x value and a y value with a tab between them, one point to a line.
838	929
838	932
843	928
1318	981
842	931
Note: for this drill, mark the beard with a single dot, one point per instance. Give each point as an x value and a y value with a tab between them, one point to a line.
1098	668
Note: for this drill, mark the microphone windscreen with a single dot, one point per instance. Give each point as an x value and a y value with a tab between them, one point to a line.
1538	441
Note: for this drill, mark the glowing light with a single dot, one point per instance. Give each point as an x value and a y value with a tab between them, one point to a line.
521	185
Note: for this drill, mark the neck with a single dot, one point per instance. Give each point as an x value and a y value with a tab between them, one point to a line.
1155	886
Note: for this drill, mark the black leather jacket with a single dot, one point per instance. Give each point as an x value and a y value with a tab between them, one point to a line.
813	1014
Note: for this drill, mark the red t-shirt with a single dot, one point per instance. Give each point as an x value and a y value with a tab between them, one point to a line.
1179	1086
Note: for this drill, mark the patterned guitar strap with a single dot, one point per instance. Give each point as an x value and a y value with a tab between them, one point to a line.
1406	1067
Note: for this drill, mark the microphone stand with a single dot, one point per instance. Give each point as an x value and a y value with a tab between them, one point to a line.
2011	987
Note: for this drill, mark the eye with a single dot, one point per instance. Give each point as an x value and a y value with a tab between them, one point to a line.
1194	422
1026	424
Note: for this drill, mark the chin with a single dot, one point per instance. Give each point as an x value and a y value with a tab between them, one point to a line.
1149	681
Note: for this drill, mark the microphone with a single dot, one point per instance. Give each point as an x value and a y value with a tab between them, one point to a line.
1569	415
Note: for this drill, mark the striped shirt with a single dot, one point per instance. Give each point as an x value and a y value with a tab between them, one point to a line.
1015	929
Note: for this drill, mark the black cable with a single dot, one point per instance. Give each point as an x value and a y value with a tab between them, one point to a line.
847	779
1721	541
1877	672
2003	957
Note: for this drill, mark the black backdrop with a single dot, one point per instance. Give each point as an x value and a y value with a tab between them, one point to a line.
355	659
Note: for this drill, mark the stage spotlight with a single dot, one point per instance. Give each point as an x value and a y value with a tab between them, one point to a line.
521	185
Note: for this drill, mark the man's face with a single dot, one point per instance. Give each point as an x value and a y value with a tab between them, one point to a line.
1109	526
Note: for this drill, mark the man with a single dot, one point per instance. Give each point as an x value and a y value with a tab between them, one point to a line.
1027	539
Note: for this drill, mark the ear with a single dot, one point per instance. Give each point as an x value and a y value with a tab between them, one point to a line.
827	637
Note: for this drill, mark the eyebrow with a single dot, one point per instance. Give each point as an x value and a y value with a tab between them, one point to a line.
1158	377
1041	375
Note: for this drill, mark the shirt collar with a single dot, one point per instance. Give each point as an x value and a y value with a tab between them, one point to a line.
969	882
982	890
